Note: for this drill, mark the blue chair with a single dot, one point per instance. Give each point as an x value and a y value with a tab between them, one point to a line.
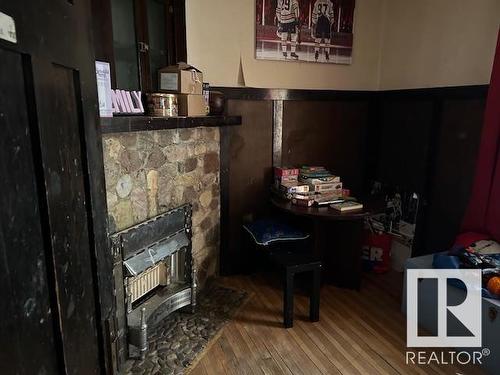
266	232
278	241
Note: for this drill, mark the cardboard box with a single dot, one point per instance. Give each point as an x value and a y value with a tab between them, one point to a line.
181	79
191	105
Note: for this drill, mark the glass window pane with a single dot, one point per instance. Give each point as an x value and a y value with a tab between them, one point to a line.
125	46
157	29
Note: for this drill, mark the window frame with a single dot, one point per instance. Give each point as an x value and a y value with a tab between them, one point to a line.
175	36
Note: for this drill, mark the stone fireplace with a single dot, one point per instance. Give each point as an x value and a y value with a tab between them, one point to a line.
148	173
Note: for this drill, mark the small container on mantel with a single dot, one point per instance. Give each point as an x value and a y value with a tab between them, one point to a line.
217	102
162	105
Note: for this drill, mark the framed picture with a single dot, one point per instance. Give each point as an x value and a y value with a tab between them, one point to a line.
318	31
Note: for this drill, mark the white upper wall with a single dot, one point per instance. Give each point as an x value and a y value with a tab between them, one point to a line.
397	44
220	33
433	43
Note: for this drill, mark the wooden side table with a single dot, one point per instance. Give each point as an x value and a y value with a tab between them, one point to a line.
337	240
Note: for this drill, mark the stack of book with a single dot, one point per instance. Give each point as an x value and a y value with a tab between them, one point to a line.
308	186
286	182
325	186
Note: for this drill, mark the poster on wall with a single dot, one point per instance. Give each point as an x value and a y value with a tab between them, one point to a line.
305	30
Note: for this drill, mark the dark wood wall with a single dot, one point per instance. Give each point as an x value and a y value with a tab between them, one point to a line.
451	171
290	128
246	173
422	140
55	274
428	142
329	133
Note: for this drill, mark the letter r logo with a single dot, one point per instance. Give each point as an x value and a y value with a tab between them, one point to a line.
468	312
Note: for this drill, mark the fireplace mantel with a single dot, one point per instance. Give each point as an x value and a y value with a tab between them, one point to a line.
123	124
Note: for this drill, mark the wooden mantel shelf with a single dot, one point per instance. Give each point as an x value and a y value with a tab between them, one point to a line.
124	124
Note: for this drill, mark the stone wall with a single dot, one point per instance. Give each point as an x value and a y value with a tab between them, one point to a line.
148	173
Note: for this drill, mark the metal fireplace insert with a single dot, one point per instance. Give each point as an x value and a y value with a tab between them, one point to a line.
154	275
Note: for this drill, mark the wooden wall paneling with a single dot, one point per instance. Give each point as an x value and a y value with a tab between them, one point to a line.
102	30
329	133
454	167
225	267
177	33
373	135
277	133
253	93
405	128
27	335
246	175
66	197
61	96
432	146
399	137
142	38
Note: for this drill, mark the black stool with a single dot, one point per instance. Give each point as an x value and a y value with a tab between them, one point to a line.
267	232
291	265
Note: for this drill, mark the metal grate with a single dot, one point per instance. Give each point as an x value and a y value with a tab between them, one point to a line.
142	284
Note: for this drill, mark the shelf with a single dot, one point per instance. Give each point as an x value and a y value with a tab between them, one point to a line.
123	124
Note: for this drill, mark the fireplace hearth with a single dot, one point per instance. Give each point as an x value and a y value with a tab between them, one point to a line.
154	276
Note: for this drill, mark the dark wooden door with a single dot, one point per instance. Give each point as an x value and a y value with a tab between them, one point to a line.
52	202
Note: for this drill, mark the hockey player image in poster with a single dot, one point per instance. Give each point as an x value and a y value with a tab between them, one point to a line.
316	31
287	13
322	20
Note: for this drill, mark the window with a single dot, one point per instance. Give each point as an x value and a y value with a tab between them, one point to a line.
125	44
138	37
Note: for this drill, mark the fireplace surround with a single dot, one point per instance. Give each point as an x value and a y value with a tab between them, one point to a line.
149	174
158	276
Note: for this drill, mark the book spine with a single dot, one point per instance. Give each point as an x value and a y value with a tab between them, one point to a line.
287	179
309	195
321	188
295	189
303	202
312	168
284	172
320	180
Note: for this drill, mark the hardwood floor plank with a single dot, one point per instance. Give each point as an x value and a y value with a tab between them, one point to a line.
335	352
298	333
358	333
261	358
336	338
340	325
295	359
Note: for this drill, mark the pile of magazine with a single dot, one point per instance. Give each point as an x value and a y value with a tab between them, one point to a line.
313	185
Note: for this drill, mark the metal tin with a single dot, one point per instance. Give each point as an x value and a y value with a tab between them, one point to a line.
162	105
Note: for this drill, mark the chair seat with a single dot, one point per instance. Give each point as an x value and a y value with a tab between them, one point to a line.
296	260
266	231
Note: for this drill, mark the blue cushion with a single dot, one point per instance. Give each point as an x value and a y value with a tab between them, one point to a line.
266	231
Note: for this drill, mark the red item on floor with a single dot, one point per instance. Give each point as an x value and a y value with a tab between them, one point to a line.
377	252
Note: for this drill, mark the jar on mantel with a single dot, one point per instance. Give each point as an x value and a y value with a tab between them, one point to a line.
216	102
162	105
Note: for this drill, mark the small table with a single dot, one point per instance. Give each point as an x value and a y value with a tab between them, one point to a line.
337	239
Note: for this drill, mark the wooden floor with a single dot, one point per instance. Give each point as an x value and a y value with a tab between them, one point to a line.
358	333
